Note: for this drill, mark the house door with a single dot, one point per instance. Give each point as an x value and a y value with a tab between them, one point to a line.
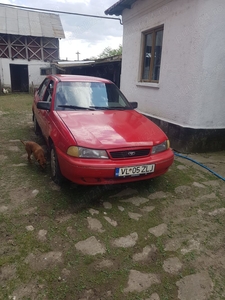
19	78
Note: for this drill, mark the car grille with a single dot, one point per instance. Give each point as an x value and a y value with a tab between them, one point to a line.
130	153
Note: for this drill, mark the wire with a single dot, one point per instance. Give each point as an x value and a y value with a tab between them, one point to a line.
203	166
61	12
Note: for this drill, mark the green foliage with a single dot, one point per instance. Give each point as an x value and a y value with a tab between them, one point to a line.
108	51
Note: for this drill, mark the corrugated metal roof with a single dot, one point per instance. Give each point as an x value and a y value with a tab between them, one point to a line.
25	22
118	7
82	63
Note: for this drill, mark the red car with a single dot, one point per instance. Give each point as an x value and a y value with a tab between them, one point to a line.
95	135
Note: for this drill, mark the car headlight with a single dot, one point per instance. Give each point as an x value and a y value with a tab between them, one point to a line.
86	152
161	147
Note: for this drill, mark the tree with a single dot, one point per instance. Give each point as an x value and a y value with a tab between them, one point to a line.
107	52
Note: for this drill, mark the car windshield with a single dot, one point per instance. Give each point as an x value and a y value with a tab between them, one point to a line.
89	96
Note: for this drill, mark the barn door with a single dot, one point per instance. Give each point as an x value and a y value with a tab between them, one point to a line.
19	78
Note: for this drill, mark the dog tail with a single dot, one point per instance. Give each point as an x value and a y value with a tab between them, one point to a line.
23	142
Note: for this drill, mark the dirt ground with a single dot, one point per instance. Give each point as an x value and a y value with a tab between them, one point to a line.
152	240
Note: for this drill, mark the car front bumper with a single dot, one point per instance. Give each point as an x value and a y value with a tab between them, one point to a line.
102	171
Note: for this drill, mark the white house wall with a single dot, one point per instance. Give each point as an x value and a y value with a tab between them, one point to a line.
33	71
191	87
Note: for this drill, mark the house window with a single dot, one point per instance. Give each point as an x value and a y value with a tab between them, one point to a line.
46	71
152	51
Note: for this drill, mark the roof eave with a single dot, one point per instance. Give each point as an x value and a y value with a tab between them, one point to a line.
119	6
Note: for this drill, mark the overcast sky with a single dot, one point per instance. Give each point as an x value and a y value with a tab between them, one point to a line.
89	36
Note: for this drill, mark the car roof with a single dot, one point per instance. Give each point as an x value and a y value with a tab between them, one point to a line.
69	77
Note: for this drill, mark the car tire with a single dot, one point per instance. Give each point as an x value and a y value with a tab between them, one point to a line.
56	174
37	128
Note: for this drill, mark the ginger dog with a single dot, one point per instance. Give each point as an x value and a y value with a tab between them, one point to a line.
37	151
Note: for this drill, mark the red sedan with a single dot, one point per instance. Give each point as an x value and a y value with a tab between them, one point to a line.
95	135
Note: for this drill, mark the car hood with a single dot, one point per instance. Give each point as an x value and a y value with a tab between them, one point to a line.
111	129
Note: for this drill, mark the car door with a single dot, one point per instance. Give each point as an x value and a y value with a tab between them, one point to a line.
39	95
45	115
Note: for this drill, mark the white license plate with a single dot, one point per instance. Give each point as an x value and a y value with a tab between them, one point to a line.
134	171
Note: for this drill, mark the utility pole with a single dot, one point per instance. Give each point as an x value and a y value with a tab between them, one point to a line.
77	53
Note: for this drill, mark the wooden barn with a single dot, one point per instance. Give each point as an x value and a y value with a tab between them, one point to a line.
109	68
29	43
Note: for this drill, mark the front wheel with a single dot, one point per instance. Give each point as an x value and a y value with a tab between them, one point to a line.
56	174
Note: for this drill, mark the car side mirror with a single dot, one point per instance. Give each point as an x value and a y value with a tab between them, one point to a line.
134	104
44	105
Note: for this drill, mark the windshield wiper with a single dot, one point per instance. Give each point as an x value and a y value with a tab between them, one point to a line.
76	107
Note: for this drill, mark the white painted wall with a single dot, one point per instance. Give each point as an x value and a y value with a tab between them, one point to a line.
191	89
33	71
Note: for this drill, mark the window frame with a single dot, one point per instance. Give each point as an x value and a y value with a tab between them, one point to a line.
152	31
45	71
42	88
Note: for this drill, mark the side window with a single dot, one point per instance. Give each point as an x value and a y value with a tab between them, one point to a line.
48	92
152	51
42	88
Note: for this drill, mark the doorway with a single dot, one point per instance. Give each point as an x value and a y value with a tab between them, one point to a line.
19	78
